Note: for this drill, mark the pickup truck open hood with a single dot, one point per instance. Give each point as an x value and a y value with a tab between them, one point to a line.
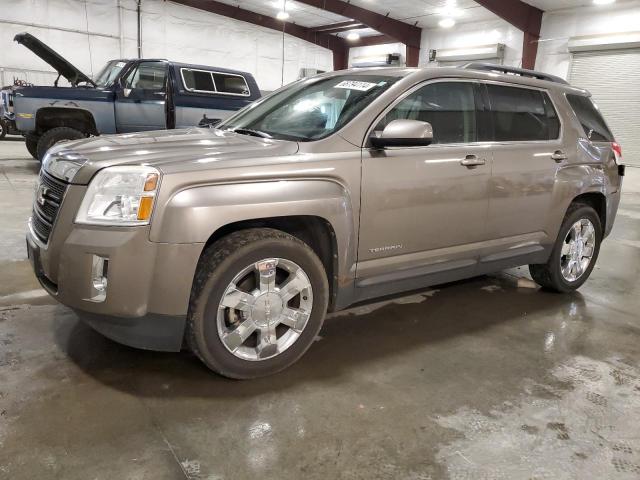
175	151
53	58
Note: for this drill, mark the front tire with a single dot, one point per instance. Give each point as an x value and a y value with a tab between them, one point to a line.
258	301
575	252
31	142
55	135
3	129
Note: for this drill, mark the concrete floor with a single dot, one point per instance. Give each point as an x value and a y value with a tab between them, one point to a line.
489	378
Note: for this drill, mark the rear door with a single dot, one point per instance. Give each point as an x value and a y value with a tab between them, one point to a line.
141	99
527	152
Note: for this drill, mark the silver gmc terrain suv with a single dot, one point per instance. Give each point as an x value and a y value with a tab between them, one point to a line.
235	241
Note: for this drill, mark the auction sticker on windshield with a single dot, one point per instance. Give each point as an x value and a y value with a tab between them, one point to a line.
355	85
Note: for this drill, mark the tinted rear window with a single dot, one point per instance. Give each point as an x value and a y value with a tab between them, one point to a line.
594	127
521	114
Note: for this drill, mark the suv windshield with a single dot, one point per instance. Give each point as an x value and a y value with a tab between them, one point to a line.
309	111
109	73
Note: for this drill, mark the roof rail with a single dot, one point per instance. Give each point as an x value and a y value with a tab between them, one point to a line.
489	67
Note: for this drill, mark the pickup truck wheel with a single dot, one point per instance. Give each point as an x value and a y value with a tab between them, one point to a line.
31	142
575	252
55	135
3	129
259	299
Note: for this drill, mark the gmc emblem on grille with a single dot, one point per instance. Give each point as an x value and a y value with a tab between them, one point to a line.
40	194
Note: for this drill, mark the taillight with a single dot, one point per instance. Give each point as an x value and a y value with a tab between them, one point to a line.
617	151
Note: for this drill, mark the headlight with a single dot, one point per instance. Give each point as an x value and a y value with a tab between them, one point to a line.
120	196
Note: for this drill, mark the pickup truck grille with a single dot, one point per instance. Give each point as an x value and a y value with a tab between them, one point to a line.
49	195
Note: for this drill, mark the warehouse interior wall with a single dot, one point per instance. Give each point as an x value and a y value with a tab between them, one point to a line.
559	26
377	50
89	33
476	34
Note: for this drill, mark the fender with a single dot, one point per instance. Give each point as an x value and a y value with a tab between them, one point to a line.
29	108
570	183
194	214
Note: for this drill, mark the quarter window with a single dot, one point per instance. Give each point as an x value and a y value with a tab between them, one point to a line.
214	82
448	106
522	114
594	127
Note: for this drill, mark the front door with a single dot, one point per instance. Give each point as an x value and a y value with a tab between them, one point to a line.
141	99
424	209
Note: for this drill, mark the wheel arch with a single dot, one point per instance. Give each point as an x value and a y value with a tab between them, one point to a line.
315	231
77	118
596	200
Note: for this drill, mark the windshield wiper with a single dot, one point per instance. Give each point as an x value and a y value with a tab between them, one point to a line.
254	133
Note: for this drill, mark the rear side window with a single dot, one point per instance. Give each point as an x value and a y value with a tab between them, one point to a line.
522	114
214	82
594	127
448	106
227	83
198	80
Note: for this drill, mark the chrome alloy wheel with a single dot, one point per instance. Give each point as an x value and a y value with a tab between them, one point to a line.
264	309
577	250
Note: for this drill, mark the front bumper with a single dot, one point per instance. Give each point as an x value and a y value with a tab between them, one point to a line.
148	288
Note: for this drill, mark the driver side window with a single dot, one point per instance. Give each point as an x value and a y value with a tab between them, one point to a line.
448	106
147	76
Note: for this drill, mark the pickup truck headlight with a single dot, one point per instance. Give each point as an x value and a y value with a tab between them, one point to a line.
122	195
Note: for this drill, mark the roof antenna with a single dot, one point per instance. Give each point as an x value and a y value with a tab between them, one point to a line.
86	17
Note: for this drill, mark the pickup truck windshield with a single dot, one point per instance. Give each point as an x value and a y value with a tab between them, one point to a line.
108	74
310	111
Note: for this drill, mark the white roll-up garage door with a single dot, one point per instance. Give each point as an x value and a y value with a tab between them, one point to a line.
613	78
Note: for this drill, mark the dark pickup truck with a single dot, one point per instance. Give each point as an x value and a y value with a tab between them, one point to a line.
126	96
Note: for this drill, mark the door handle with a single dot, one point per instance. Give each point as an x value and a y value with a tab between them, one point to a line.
559	156
471	161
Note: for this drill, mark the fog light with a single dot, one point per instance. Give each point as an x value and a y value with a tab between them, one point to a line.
99	272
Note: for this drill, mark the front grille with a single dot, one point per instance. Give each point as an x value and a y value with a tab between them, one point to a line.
49	195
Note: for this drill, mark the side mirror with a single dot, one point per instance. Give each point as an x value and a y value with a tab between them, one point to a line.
404	133
126	92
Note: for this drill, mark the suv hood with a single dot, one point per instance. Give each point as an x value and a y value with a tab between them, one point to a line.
174	151
53	58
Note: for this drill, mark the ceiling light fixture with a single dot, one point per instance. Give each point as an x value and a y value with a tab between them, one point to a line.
447	23
282	15
353	36
603	2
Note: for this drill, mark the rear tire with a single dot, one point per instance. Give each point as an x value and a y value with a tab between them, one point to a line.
55	135
3	129
31	142
557	274
214	329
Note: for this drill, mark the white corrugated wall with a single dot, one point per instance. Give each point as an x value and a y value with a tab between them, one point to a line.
169	31
613	78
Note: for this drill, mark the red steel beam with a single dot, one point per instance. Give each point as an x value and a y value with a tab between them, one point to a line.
371	40
524	17
338	27
337	45
402	32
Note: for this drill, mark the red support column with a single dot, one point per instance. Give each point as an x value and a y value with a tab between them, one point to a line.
340	58
413	56
529	50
